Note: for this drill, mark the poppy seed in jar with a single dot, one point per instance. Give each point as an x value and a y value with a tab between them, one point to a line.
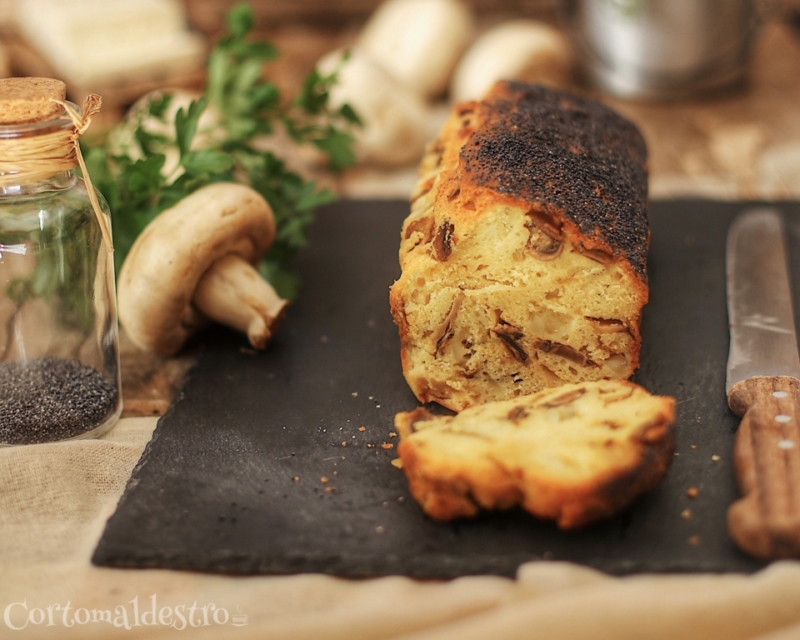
51	399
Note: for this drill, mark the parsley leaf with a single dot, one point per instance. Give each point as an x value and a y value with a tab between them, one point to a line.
167	150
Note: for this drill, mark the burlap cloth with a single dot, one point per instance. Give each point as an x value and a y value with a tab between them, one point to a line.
55	499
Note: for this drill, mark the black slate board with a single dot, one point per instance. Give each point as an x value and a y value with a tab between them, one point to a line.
231	481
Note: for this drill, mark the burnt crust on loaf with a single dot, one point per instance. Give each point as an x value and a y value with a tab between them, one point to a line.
564	153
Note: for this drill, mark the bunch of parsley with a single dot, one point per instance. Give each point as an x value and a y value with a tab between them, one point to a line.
249	107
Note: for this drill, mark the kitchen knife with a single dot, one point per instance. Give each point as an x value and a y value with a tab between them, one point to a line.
763	387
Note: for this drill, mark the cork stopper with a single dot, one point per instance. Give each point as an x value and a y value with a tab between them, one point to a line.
25	100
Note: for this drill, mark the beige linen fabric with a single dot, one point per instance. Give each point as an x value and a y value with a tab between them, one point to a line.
55	499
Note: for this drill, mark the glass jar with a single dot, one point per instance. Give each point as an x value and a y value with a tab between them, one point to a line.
59	349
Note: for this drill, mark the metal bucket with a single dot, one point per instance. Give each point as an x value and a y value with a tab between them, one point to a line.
662	49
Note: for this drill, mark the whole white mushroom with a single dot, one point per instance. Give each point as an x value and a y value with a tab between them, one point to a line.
395	119
527	50
419	41
123	138
196	262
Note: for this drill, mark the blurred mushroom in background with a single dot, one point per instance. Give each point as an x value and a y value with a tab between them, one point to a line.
160	131
394	118
419	42
527	50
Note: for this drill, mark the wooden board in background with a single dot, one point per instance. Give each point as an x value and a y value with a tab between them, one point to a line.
207	15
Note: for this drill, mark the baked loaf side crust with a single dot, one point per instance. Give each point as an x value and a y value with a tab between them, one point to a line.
576	454
523	257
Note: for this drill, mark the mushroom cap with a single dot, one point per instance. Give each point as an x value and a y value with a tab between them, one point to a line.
167	260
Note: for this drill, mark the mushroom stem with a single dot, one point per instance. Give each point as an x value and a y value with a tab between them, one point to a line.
233	293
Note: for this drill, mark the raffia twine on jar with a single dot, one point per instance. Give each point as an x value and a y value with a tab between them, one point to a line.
38	156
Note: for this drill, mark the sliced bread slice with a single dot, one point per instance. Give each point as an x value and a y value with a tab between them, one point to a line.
575	454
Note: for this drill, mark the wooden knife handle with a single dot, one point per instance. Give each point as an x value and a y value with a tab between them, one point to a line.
765	522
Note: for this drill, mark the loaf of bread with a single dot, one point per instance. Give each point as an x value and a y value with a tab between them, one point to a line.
575	454
523	257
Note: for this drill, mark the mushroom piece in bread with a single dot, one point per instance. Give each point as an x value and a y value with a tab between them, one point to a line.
575	454
523	257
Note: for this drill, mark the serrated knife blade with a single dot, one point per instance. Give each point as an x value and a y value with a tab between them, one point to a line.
763	341
763	386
